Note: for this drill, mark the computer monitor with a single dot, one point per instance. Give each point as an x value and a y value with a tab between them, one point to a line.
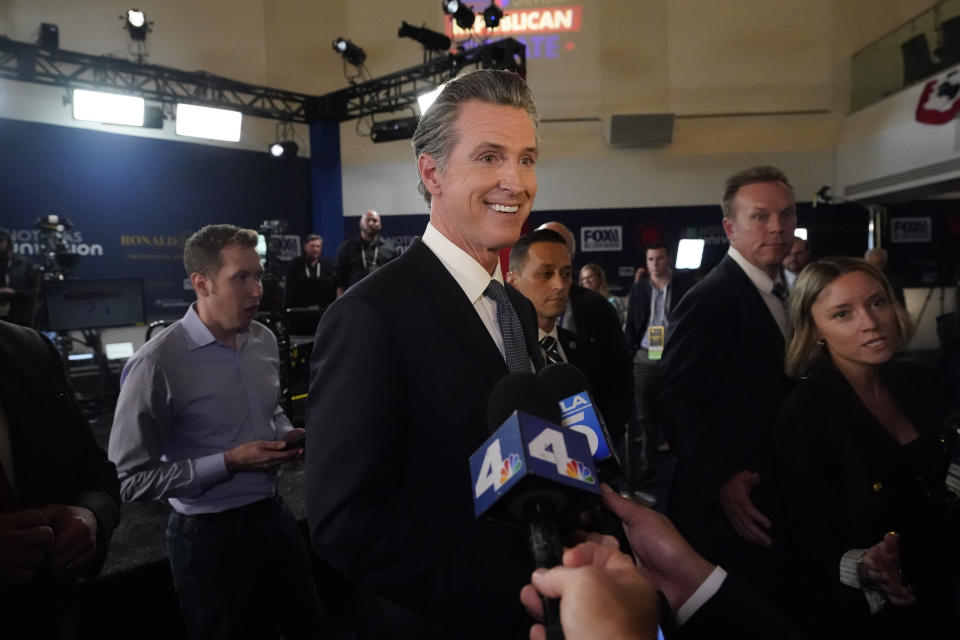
73	305
690	253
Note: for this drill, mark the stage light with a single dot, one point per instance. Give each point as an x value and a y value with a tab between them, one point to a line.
108	108
349	51
461	13
285	149
431	40
492	15
690	253
49	36
424	100
207	122
136	24
399	129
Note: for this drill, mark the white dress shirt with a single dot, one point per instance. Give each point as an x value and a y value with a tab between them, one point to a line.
470	275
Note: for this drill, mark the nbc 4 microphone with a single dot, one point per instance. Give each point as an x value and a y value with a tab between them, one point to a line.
533	472
579	412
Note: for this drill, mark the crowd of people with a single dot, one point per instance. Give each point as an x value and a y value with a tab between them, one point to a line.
808	498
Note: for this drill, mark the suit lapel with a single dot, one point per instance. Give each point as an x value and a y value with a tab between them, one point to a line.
454	313
751	296
570	343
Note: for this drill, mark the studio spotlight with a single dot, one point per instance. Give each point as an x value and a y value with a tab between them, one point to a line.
136	24
349	51
399	129
285	149
492	15
49	37
431	40
461	13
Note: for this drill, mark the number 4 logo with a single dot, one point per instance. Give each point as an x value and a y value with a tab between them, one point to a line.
550	447
490	476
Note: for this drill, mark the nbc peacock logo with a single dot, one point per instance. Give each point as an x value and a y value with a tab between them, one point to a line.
511	466
580	471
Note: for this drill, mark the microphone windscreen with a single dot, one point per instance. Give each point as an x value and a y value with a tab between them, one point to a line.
524	392
564	380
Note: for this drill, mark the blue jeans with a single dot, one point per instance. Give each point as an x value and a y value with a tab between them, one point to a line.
243	573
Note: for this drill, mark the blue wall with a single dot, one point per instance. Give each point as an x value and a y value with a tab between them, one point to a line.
133	201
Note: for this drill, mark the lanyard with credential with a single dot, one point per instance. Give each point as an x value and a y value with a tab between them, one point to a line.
363	255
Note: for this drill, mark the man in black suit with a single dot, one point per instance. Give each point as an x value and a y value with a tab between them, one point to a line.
723	382
59	495
401	371
595	321
651	302
540	269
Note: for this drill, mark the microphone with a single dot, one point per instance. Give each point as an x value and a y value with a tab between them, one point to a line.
571	391
531	471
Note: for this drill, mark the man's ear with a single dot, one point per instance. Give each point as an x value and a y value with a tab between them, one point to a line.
511	278
200	284
728	227
429	173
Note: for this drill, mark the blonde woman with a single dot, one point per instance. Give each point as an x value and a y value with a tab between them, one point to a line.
594	278
860	464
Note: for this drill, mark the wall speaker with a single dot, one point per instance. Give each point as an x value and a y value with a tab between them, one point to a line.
639	130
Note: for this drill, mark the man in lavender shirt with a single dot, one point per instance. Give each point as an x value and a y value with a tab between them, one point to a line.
198	423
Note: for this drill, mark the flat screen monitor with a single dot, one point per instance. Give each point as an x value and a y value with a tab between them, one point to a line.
73	305
690	253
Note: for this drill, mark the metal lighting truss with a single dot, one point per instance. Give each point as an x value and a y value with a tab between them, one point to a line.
70	69
399	90
393	92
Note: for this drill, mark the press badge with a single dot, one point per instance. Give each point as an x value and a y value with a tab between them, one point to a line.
655	350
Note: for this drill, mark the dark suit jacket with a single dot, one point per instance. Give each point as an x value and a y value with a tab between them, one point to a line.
304	291
722	385
55	455
400	375
638	308
846	482
734	611
612	383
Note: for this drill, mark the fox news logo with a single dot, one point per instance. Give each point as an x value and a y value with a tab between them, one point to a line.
601	238
911	229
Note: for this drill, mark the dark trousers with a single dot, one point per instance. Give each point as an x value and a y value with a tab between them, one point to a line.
243	573
647	435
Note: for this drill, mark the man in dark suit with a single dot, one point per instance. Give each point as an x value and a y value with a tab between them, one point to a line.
723	383
651	302
595	321
401	371
59	495
540	269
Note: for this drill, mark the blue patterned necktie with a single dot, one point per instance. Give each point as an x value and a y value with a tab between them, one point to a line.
514	345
